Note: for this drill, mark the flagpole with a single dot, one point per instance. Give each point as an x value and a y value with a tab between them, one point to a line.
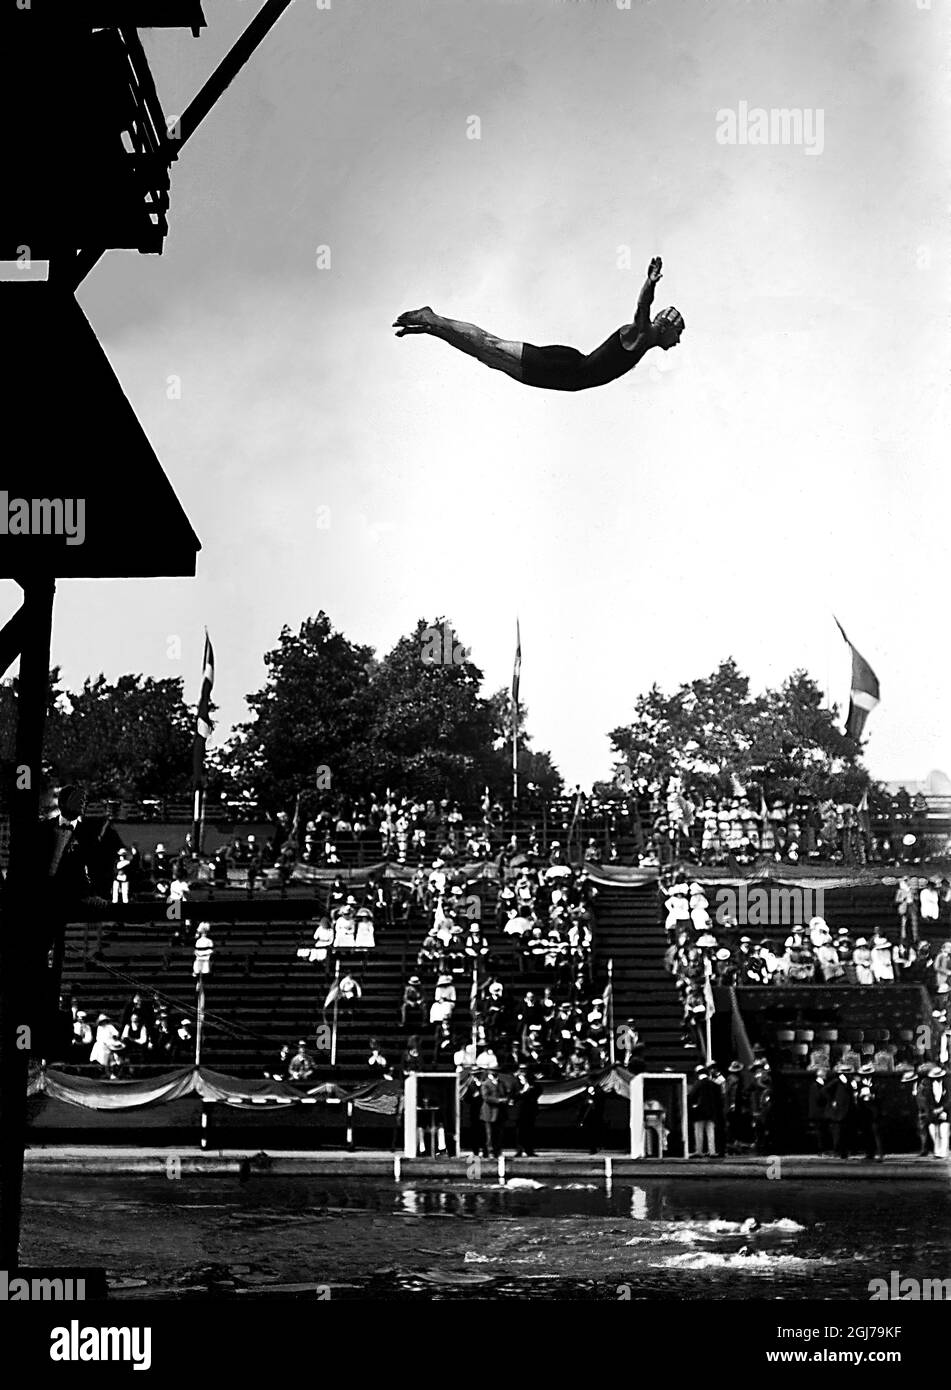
199	1028
516	682
333	1031
708	1001
611	1009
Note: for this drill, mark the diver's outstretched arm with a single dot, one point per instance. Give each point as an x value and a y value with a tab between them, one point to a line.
642	314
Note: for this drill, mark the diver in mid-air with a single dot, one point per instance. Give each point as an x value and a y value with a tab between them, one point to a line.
558	368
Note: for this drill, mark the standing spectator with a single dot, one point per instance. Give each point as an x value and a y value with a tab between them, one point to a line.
411	1009
491	1113
760	1101
868	1110
939	1111
591	1118
733	1107
817	1097
440	1012
839	1109
527	1093
906	900
704	1100
204	950
122	876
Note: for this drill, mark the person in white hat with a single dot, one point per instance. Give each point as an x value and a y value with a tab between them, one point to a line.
862	960
883	963
108	1048
939	1110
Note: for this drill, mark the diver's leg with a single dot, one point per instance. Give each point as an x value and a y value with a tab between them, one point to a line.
499	353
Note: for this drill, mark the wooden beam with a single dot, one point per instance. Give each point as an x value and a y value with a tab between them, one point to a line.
18	988
199	107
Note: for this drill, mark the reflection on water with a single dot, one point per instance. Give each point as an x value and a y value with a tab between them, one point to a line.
275	1237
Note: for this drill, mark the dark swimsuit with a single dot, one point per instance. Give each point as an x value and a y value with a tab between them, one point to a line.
559	368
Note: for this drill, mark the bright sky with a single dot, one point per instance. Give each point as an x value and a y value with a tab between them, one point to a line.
788	461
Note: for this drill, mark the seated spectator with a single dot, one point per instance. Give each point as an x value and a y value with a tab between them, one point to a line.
322	941
83	1037
827	959
301	1065
517	925
476	946
365	937
412	1058
862	960
430	953
535	945
135	1036
802	966
378	1066
280	1072
183	1043
108	1047
882	960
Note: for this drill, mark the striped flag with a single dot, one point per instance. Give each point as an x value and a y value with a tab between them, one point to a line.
203	720
865	689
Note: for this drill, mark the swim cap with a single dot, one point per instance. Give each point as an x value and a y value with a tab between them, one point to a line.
671	317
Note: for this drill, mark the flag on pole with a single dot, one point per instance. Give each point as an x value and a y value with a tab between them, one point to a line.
203	720
865	692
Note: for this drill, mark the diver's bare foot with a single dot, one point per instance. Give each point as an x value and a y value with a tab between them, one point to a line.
415	321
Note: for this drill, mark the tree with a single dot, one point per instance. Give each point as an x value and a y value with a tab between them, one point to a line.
714	734
432	733
311	718
127	739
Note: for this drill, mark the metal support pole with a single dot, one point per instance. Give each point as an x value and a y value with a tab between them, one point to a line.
19	968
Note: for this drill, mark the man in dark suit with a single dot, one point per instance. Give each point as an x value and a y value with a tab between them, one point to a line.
591	1118
817	1097
839	1102
527	1092
491	1114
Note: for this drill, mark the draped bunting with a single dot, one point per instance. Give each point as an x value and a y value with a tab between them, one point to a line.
95	1093
826	876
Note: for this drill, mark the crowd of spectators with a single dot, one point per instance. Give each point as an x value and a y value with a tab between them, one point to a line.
144	1033
704	951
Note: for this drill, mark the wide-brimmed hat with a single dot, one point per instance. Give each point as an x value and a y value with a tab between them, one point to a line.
444	980
935	1072
723	954
866	1069
735	1066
